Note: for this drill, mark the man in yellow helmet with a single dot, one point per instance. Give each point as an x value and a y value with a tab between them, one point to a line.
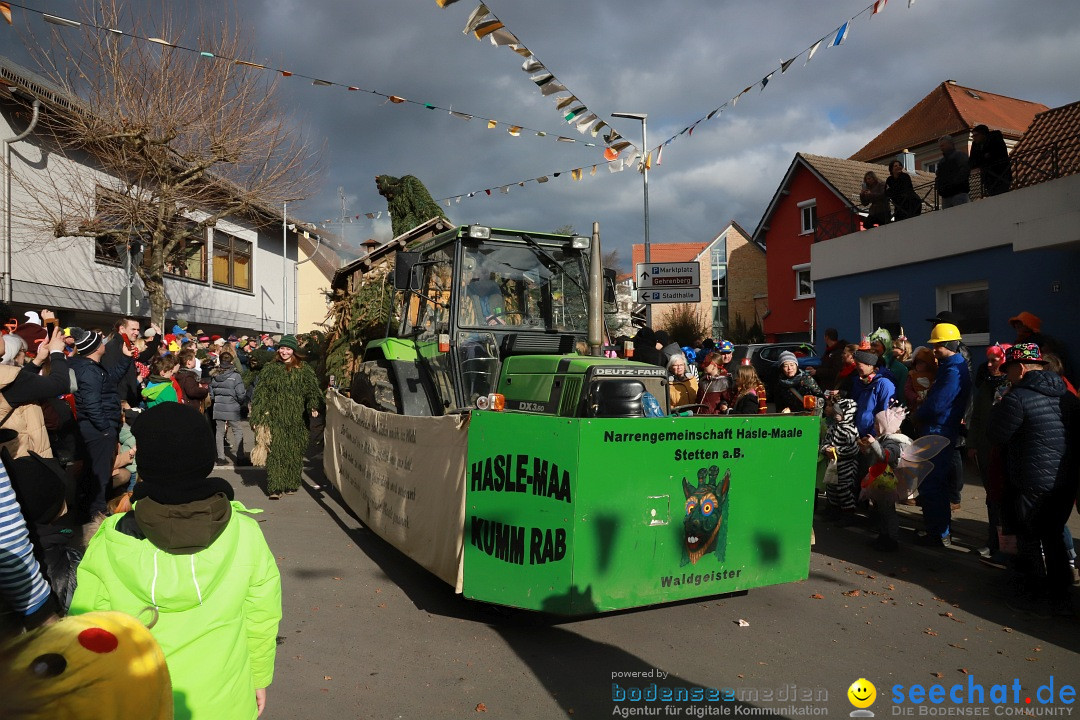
942	413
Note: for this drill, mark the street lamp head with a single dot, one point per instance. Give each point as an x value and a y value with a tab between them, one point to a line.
631	116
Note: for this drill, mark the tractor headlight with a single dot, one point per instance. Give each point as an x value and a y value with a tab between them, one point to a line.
580	243
479	232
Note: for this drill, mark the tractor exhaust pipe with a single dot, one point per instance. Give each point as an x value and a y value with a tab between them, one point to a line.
596	294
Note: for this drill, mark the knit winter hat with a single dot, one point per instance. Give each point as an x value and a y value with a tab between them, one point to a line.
86	341
175	453
288	341
866	357
786	357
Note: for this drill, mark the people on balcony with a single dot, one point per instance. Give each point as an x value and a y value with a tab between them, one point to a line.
990	156
952	181
874	196
906	202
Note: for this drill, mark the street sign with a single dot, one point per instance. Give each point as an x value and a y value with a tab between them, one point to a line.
671	274
669	295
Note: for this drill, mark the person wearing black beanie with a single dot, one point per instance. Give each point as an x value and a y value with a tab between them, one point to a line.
190	552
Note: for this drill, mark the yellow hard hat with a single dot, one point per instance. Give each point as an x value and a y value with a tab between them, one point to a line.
944	332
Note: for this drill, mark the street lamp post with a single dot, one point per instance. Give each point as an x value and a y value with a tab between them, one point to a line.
643	117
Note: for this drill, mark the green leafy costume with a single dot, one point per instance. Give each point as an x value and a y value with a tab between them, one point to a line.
282	396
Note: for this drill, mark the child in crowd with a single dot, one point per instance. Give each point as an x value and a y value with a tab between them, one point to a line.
749	392
229	396
841	443
714	386
188	551
920	378
161	386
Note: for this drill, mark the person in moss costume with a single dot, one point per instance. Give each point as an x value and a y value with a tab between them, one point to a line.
287	389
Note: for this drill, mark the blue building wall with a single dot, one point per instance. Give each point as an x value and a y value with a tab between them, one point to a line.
1017	282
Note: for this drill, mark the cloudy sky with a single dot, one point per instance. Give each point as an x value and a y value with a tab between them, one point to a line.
675	60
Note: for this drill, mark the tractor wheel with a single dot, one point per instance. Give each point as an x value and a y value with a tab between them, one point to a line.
373	387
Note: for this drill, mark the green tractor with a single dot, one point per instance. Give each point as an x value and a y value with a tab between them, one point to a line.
491	313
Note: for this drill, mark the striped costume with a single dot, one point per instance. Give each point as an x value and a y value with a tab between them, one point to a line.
843	436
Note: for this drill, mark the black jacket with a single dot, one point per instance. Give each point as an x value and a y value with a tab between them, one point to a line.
953	174
1037	422
97	400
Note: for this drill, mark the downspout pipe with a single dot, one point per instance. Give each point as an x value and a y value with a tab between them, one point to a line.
8	290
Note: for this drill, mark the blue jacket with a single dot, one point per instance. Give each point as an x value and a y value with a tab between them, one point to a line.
870	399
97	399
943	410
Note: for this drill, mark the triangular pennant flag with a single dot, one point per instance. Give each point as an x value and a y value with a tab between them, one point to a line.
615	166
611	154
596	128
575	174
503	36
551	88
593	171
765	80
532	65
574	112
492	124
564	139
584	123
514	130
370	216
448	203
458	199
486	28
322	83
444	3
57	20
5	10
556	174
461	115
521	50
841	35
785	64
505	189
542	179
541	133
475	18
879	5
378	215
521	184
711	115
910	3
648	160
395	99
660	155
813	49
561	103
488	191
620	146
250	64
284	73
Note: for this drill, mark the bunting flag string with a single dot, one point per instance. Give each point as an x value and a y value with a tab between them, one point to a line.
514	129
484	23
835	37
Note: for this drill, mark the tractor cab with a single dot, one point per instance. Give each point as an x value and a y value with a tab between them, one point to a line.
475	296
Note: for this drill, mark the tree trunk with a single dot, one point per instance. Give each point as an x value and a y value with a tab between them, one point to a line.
159	301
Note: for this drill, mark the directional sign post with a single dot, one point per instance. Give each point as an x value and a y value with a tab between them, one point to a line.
668	282
669	295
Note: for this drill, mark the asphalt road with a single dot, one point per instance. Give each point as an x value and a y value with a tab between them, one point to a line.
368	634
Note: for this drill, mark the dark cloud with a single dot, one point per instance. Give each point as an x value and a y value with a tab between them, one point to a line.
675	61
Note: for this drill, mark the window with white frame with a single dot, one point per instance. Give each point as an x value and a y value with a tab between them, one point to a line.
880	311
804	285
931	166
232	262
970	302
808	213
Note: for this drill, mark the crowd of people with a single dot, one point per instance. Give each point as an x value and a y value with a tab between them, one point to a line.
899	423
108	443
952	180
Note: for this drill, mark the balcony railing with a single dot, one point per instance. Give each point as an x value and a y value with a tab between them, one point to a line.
1031	166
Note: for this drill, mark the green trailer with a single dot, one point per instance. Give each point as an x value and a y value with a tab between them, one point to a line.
524	475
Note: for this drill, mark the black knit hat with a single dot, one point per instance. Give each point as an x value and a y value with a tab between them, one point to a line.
175	453
866	357
86	341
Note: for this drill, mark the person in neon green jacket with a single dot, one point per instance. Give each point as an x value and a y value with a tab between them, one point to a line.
187	552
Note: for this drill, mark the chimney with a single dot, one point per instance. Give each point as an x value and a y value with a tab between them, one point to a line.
907	159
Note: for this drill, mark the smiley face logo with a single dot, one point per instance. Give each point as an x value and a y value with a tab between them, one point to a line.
862	693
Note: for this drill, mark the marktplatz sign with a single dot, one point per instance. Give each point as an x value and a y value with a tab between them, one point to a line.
669	295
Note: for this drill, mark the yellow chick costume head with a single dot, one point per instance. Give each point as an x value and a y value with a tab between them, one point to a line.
104	665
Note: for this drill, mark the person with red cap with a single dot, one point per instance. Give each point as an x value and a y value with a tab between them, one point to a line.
1037	421
1028	327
